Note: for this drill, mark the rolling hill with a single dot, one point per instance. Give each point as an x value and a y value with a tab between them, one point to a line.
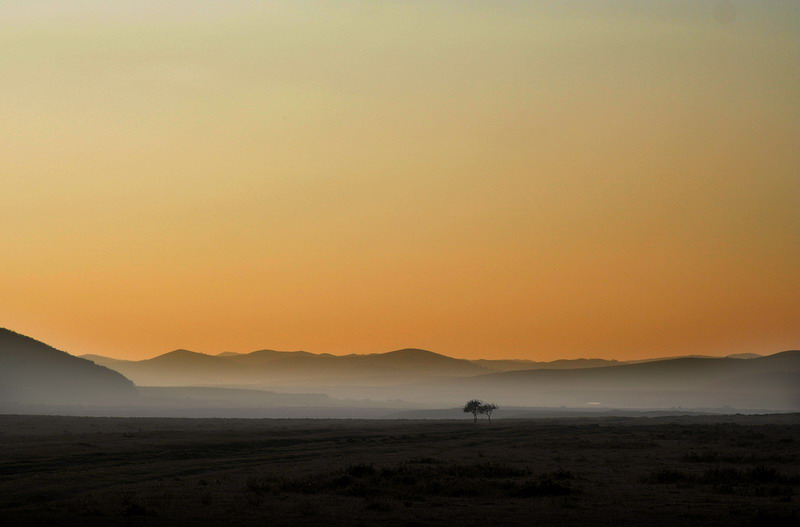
560	364
180	368
771	381
423	377
187	368
32	372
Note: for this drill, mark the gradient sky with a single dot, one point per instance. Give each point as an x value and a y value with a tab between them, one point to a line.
534	180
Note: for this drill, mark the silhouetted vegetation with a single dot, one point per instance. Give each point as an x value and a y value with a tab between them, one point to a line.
473	407
477	407
487	409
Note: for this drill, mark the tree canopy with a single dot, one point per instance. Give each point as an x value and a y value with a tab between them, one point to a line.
473	407
487	408
476	406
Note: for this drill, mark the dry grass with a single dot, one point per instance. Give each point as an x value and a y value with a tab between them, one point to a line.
598	471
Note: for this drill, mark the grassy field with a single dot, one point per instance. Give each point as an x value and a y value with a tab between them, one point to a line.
734	470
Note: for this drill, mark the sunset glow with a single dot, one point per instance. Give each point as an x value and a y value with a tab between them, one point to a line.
534	180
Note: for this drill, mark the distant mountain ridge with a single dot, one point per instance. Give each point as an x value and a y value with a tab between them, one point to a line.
517	364
271	367
771	381
188	368
32	372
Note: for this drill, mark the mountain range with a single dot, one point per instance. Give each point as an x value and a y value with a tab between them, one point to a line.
421	377
771	381
270	367
32	372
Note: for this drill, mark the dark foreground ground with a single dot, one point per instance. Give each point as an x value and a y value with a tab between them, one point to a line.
734	470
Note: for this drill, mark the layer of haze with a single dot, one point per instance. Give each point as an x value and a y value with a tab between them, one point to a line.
483	179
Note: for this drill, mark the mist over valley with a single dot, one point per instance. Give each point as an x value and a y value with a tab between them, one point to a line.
411	382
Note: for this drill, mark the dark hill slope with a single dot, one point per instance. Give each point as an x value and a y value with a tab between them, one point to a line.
32	372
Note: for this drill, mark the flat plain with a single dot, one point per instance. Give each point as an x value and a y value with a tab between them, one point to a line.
691	470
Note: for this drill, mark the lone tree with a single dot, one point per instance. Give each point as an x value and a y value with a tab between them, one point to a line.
473	407
487	409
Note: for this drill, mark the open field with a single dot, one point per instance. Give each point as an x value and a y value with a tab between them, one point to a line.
695	470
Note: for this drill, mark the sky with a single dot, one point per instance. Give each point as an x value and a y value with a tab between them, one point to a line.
534	180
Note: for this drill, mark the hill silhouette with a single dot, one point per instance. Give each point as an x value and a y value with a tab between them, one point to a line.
187	368
32	372
771	381
180	368
559	364
668	373
269	367
422	377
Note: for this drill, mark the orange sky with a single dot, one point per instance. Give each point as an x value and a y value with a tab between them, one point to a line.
533	180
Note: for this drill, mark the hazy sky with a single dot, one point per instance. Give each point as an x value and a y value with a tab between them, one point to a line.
538	180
